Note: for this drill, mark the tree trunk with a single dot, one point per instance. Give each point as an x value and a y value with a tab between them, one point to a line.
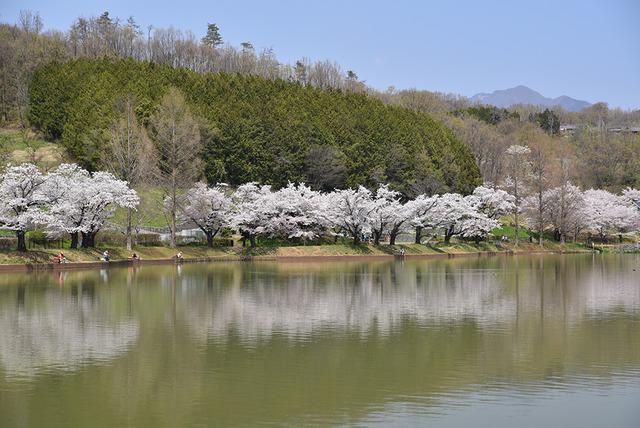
540	239
418	234
172	242
448	233
22	242
517	240
392	237
252	241
376	237
356	238
209	239
540	217
129	216
89	239
74	240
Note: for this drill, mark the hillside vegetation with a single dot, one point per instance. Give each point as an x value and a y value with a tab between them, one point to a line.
601	150
254	129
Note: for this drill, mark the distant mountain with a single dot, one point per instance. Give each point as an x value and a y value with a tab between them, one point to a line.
523	95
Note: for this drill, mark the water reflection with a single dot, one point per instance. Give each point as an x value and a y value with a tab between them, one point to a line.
297	299
46	329
316	343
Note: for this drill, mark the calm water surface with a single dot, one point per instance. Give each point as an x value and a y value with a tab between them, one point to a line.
482	342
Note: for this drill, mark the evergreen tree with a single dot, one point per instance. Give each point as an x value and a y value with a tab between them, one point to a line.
213	37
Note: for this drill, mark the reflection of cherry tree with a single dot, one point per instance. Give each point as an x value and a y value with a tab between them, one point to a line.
369	299
61	334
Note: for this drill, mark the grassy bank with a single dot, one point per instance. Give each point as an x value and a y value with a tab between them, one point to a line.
20	145
42	256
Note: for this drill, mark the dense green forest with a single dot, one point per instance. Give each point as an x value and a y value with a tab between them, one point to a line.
256	129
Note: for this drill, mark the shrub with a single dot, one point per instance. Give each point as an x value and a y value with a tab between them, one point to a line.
223	242
111	238
148	239
8	242
190	240
36	236
40	238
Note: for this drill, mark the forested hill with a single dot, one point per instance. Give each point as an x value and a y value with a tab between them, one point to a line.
254	129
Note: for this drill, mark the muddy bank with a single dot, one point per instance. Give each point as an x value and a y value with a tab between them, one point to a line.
37	267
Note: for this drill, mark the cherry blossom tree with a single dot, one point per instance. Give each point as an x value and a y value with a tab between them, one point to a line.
65	195
350	211
86	203
459	215
451	212
21	197
476	226
419	211
607	212
388	215
494	203
250	211
400	222
209	208
295	212
632	196
565	209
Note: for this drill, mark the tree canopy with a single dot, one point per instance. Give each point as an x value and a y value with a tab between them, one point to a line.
255	129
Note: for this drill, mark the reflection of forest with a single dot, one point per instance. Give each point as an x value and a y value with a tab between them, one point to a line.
243	342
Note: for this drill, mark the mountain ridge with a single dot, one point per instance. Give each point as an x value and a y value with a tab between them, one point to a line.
524	95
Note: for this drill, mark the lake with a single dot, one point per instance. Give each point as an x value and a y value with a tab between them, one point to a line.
526	341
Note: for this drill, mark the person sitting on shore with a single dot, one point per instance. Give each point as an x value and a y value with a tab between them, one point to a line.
60	258
179	255
135	256
106	256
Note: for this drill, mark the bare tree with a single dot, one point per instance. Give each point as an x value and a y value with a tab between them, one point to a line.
517	167
131	155
177	140
539	179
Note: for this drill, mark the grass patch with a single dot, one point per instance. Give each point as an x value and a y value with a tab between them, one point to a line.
149	212
20	145
509	232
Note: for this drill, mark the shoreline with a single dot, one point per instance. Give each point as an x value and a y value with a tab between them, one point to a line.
82	265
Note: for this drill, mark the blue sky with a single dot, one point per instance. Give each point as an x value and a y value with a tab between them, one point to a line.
585	49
